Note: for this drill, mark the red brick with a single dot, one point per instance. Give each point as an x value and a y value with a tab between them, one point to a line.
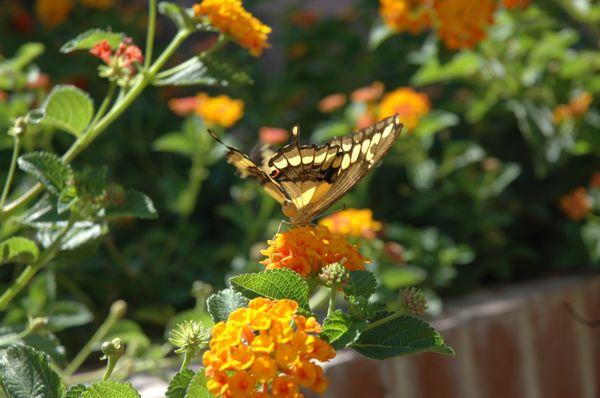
497	356
555	346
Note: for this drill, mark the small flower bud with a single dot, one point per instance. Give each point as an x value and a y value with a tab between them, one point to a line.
19	127
189	337
334	274
118	308
113	349
413	301
37	324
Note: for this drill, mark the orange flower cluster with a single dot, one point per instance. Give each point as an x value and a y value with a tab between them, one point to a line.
410	105
266	350
412	16
577	204
230	17
307	249
512	4
220	110
52	13
125	56
368	93
463	23
352	222
576	107
332	103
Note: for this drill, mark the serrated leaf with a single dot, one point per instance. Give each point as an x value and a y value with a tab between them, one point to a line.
179	384
274	284
340	330
361	283
26	373
110	389
90	38
131	203
67	108
204	71
66	199
404	335
18	250
223	303
74	391
48	168
197	387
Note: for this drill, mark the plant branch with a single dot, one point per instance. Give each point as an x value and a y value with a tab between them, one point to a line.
11	170
150	34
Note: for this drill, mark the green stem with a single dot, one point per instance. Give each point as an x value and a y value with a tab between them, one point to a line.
32	269
110	367
395	315
118	108
87	349
187	357
332	294
105	103
11	170
150	34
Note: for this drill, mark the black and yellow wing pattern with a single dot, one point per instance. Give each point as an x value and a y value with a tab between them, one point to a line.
308	179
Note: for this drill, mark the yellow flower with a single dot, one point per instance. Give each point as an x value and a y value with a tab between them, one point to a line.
99	4
352	222
577	204
410	105
273	361
406	15
220	110
307	249
230	17
463	23
53	12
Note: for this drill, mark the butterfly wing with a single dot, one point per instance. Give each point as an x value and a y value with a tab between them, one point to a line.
315	177
248	168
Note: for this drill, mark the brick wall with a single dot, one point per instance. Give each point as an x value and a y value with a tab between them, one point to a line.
510	343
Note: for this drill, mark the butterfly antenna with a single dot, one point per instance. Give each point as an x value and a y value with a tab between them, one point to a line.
215	137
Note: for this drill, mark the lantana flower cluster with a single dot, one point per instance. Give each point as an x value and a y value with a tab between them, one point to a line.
120	65
230	17
459	24
576	107
221	110
307	249
266	350
353	222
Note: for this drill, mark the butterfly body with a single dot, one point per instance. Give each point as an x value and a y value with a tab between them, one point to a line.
308	179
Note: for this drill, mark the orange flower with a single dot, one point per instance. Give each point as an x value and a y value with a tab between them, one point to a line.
577	204
307	249
595	180
413	16
332	102
463	23
406	102
511	4
220	110
352	222
53	12
276	362
272	135
369	93
230	17
577	107
183	106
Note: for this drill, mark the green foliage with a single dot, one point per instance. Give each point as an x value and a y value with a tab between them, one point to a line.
89	38
18	249
403	335
130	203
49	169
26	373
67	108
203	70
340	330
223	303
74	391
183	18
274	284
179	384
11	76
361	283
197	387
110	388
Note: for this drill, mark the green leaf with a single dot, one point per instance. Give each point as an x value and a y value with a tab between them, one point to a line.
462	66
361	283
18	250
197	387
274	284
65	314
223	303
205	71
183	18
434	122
90	38
23	57
26	373
48	168
110	389
74	391
340	330
403	335
67	108
380	32
131	203
48	343
179	384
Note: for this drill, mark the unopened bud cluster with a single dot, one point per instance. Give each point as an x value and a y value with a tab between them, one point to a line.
334	274
120	65
413	301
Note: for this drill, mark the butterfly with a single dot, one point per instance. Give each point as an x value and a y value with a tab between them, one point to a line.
308	179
